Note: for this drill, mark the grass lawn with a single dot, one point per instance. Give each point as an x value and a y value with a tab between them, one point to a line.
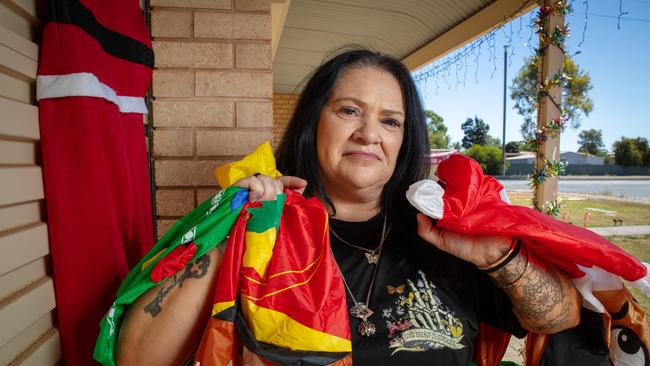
639	246
602	211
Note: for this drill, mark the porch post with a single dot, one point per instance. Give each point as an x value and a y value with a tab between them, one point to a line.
552	62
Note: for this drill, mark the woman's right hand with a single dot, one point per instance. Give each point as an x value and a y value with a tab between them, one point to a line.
264	188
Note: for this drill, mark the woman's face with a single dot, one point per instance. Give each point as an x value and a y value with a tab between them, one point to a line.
360	131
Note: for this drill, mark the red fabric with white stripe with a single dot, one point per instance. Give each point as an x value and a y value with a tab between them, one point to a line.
95	172
473	205
71	50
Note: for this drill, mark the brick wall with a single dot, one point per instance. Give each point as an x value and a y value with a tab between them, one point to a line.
213	93
283	106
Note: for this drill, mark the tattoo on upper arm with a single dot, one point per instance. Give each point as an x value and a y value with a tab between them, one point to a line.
196	269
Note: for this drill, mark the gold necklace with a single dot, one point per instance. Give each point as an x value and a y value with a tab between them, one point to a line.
371	255
360	309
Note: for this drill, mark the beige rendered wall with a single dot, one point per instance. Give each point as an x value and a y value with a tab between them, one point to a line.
283	106
212	90
28	334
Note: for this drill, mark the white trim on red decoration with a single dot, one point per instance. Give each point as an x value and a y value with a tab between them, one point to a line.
85	84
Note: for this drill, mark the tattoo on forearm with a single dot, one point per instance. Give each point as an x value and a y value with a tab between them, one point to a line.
511	272
541	293
196	269
540	296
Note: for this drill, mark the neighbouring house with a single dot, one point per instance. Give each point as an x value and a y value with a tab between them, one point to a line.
519	159
570	157
574	158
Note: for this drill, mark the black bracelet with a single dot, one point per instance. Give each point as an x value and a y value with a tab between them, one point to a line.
507	260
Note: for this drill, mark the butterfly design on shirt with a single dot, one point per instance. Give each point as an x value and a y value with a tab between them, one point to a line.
395	290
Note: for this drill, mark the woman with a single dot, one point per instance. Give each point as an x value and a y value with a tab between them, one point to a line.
358	139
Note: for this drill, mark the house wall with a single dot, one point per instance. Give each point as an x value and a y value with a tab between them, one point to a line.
573	158
580	159
28	334
595	160
213	95
283	106
521	161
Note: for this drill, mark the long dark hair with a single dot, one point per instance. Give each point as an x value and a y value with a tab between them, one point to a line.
296	154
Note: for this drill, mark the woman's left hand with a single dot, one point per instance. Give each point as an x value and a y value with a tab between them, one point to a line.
543	296
479	250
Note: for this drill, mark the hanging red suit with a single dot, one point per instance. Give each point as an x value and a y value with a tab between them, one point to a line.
95	68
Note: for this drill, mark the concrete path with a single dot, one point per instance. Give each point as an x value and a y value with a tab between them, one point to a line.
621	230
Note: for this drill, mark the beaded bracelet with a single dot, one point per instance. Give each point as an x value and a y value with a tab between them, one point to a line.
507	258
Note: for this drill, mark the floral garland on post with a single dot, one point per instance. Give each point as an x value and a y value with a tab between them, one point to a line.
554	127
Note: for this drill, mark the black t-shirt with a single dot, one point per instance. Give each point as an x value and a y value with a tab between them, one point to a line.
427	304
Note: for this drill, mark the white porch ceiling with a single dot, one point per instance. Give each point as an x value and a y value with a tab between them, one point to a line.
313	28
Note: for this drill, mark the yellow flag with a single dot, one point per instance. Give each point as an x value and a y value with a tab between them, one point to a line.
259	161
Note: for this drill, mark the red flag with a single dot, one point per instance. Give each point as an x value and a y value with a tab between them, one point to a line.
96	64
279	286
472	203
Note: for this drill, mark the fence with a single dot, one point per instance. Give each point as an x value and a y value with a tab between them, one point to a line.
584	169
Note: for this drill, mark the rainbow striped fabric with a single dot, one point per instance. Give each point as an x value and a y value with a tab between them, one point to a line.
279	296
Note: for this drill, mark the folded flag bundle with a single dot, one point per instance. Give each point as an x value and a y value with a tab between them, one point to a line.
278	289
472	203
279	296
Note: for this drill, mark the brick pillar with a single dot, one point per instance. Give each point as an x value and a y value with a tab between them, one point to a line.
283	106
212	90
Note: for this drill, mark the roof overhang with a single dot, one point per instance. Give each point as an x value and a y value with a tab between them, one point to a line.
417	32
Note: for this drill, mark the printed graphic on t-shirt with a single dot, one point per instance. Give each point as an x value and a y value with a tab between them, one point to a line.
418	320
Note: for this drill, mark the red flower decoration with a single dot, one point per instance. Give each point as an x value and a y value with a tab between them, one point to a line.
173	262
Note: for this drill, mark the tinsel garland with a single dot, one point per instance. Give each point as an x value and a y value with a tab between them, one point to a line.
547	37
553	128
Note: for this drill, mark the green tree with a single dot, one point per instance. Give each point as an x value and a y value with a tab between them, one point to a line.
591	142
476	132
608	159
489	157
527	128
513	146
457	146
576	99
631	151
492	141
437	131
524	147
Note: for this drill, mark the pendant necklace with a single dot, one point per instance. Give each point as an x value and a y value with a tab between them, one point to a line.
372	256
360	309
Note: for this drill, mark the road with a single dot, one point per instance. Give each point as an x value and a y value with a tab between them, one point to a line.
624	188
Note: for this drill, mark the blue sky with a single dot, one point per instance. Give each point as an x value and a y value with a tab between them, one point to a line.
617	61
